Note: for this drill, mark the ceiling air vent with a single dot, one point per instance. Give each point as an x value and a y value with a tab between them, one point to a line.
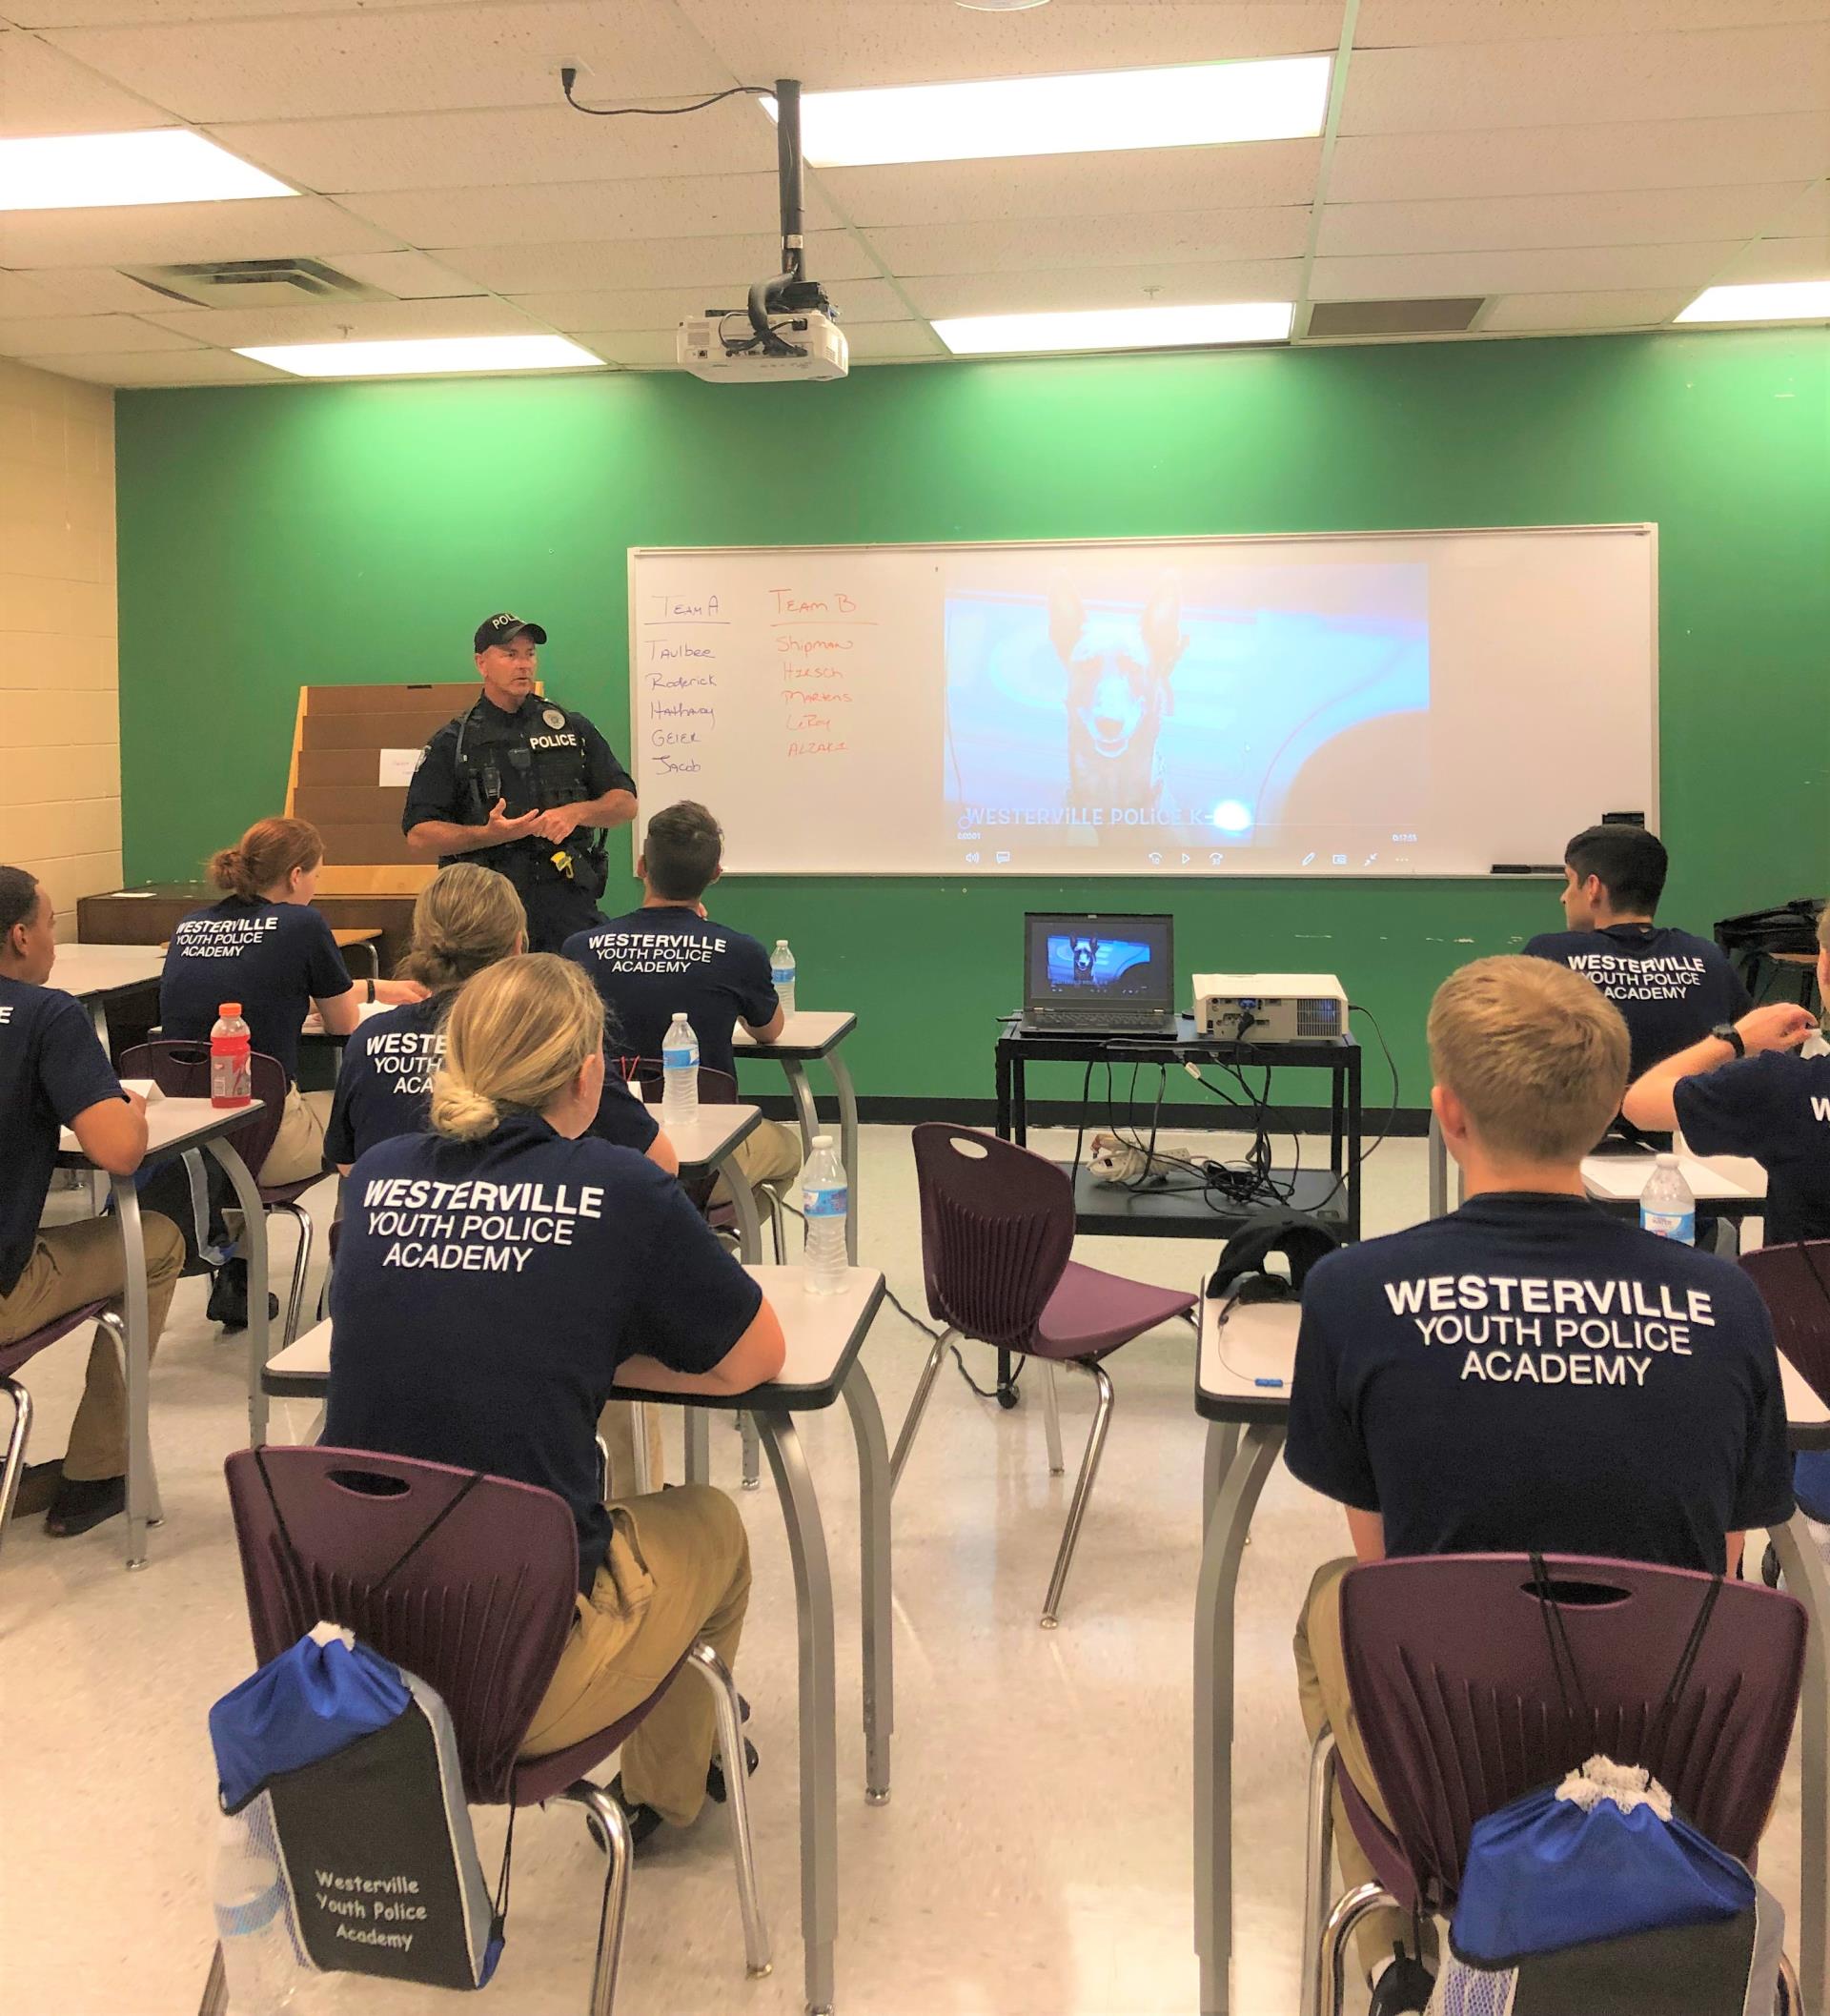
253	283
1333	320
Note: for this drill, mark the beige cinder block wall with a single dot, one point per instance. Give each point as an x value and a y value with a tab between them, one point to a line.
60	755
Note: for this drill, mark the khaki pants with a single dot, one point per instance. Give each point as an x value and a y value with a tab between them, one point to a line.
678	1569
1321	1681
299	1147
74	1264
770	1158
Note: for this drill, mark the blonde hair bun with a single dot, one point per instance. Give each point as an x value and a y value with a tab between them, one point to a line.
462	1113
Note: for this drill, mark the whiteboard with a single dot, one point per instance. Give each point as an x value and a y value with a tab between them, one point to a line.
1342	704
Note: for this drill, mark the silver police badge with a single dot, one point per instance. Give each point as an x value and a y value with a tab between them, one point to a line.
553	718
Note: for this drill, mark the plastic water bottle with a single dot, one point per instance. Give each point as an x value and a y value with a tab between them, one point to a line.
258	1956
1666	1206
781	972
825	1198
231	1071
678	1073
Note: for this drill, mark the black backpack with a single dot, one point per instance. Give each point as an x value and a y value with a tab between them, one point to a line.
1244	1272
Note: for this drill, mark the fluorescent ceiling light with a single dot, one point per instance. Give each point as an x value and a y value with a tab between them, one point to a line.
1775	301
1099	112
425	357
89	170
1117	328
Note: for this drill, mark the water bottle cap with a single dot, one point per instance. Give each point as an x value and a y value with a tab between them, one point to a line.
229	1009
1667	1161
823	1140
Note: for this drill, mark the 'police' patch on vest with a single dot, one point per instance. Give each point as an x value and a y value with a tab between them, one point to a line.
553	741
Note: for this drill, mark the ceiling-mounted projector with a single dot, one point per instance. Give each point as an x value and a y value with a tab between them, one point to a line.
812	346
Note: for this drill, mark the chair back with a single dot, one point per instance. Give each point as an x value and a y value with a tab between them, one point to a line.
471	1586
1450	1665
1794	1282
643	1077
997	1229
181	1070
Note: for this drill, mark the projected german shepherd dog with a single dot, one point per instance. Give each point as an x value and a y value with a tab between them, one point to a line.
1118	692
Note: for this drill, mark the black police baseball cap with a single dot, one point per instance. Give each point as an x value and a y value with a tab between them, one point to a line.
499	630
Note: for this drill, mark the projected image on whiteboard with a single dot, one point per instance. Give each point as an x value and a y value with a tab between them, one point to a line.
1213	715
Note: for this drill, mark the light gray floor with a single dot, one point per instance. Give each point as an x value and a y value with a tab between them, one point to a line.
1035	1859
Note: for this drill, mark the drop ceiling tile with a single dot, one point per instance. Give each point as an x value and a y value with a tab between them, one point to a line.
165	367
1581	269
640	348
1060	243
1262	176
1103	287
1551	161
1811	213
171	234
892	342
1482	87
43	93
459	149
1631	218
1405	23
577	313
723	262
72	335
395	60
356	321
407	276
847	44
1781	259
1623	308
549	213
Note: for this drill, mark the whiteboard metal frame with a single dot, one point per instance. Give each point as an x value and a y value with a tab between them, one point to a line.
1635	528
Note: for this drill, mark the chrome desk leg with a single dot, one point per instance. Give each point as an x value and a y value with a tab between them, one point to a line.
1223	1445
752	1453
253	1246
848	1145
873	1522
698	1445
1806	1578
819	1711
133	1339
749	1227
1221	1548
806	1114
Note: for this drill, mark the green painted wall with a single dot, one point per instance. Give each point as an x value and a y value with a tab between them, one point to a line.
275	536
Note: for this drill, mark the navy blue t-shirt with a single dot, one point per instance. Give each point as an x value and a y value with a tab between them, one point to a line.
52	1066
1671	986
1531	1373
274	958
486	1292
1777	1109
651	965
383	1084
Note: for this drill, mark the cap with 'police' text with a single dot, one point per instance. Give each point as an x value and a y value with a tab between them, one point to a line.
500	629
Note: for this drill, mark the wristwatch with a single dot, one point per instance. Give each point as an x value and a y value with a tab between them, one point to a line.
1726	1033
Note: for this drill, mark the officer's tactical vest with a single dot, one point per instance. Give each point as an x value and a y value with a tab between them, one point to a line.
531	767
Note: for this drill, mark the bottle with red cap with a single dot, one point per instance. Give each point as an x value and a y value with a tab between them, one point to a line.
231	1071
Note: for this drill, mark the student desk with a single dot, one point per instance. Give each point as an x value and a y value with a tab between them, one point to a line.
1731	1186
1245	1422
808	1035
364	940
173	1126
95	974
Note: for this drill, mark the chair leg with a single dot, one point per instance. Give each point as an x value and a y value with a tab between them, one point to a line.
1347	1913
1051	1418
603	1469
1791	1996
717	1676
216	1987
12	1466
916	1407
1083	1491
1317	1870
301	1267
778	1228
613	1824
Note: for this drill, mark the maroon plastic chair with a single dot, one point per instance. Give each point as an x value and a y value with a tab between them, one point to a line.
1794	1282
13	1468
1455	1688
997	1233
480	1582
181	1070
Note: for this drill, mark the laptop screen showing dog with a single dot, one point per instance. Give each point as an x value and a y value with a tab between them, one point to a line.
1094	965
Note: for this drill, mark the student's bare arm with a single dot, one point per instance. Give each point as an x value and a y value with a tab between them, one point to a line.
112	1133
1367	1529
1653	1101
753	1360
662	1152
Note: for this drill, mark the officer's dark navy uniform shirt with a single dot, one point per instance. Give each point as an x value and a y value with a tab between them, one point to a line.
486	1292
274	958
1530	1373
651	965
1671	987
1777	1109
52	1067
383	1084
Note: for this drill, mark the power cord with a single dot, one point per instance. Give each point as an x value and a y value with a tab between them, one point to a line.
985	1392
569	76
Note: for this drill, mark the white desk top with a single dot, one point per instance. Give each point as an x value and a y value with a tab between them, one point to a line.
85	971
1720	1179
709	1135
173	1125
808	1032
313	1023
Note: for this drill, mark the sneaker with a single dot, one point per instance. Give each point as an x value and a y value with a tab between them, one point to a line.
229	1297
38	1487
644	1821
1403	1988
82	1502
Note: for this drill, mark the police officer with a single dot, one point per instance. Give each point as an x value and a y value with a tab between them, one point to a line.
523	786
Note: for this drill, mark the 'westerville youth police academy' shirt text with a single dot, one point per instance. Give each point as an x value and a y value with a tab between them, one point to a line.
1671	987
1533	1374
274	958
652	965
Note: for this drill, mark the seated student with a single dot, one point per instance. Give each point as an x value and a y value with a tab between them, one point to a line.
264	946
1671	987
491	1343
669	957
54	1072
1528	1373
466	918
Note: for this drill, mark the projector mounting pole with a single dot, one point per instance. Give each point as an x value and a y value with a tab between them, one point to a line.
770	294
